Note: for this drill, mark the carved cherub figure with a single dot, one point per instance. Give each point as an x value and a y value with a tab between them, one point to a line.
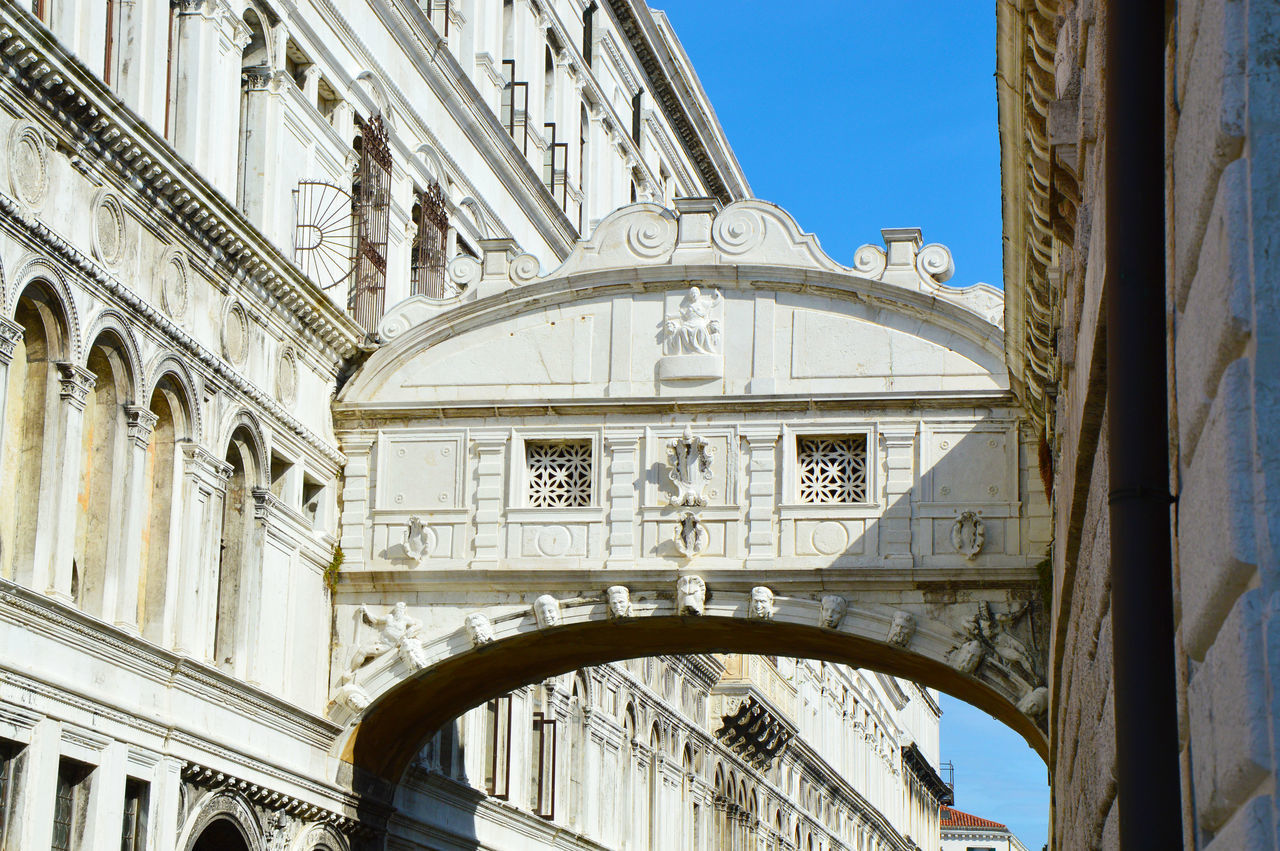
833	611
619	600
394	628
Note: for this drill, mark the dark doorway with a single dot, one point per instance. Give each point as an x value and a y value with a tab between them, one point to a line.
222	835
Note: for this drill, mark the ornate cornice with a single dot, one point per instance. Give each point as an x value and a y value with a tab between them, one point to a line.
210	778
95	118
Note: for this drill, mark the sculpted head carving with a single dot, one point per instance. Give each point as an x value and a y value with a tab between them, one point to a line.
691	595
902	628
1035	703
479	630
833	609
547	610
619	599
761	603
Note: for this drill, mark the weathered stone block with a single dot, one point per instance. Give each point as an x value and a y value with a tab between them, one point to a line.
1217	549
1229	719
1249	829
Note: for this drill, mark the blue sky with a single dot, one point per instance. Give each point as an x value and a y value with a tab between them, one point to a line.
856	116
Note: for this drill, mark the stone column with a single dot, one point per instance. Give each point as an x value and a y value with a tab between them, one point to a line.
894	532
34	796
55	550
166	802
137	496
762	463
105	812
623	447
204	485
490	449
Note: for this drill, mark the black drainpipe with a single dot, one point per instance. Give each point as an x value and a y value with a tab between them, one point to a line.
1147	765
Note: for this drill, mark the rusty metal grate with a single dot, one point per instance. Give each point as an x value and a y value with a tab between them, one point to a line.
371	195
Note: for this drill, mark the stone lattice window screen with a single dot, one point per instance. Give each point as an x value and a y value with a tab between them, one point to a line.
832	470
558	473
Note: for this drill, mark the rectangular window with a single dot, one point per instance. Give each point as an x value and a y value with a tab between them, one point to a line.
171	71
497	748
8	785
587	39
137	795
832	469
637	110
559	473
542	767
110	42
515	106
70	804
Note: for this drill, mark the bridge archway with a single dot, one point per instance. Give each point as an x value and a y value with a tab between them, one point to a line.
698	392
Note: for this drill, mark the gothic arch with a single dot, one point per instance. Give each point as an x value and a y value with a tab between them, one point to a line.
222	807
38	270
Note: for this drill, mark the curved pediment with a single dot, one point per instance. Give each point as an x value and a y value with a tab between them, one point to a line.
691	304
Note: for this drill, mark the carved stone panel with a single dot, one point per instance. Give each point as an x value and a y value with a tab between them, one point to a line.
28	164
419	473
971	466
553	540
174	284
108	229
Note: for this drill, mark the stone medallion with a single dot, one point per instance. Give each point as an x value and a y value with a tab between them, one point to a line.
28	164
235	335
108	229
175	284
287	377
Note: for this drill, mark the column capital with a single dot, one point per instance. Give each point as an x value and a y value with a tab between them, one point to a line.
76	382
10	334
203	466
141	423
264	502
762	434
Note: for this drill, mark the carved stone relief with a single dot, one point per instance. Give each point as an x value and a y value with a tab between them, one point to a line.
902	629
174	284
619	600
287	377
108	229
692	343
691	595
968	534
28	164
988	635
397	630
691	536
690	457
832	611
761	605
479	629
546	609
235	335
1035	703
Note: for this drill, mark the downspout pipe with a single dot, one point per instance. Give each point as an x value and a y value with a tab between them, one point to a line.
1147	765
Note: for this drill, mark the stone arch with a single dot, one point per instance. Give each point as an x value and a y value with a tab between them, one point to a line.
373	88
260	50
479	217
222	817
116	325
239	558
456	678
42	272
320	837
243	418
433	166
171	367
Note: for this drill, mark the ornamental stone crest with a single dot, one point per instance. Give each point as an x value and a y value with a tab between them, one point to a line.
968	534
691	536
690	458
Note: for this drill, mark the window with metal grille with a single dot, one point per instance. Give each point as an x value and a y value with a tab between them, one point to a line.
371	201
8	784
137	795
70	804
497	747
542	766
832	469
559	473
427	266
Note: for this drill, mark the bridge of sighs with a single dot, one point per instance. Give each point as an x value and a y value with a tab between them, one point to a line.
700	433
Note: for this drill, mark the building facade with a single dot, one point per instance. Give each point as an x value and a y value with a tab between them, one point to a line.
963	831
206	209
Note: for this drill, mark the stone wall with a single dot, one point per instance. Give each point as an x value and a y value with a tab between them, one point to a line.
1222	216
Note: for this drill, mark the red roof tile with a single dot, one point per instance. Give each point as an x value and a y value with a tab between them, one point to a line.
955	818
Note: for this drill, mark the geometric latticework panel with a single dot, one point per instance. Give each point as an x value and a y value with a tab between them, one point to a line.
832	469
558	474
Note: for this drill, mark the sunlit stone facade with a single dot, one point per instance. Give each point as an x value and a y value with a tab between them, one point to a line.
208	209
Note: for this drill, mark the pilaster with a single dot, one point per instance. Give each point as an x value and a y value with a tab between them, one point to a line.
34	797
141	422
75	384
355	502
894	532
623	448
490	447
204	485
762	466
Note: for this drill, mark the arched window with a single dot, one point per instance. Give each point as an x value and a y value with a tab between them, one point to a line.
655	803
162	511
255	75
237	548
100	512
31	410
